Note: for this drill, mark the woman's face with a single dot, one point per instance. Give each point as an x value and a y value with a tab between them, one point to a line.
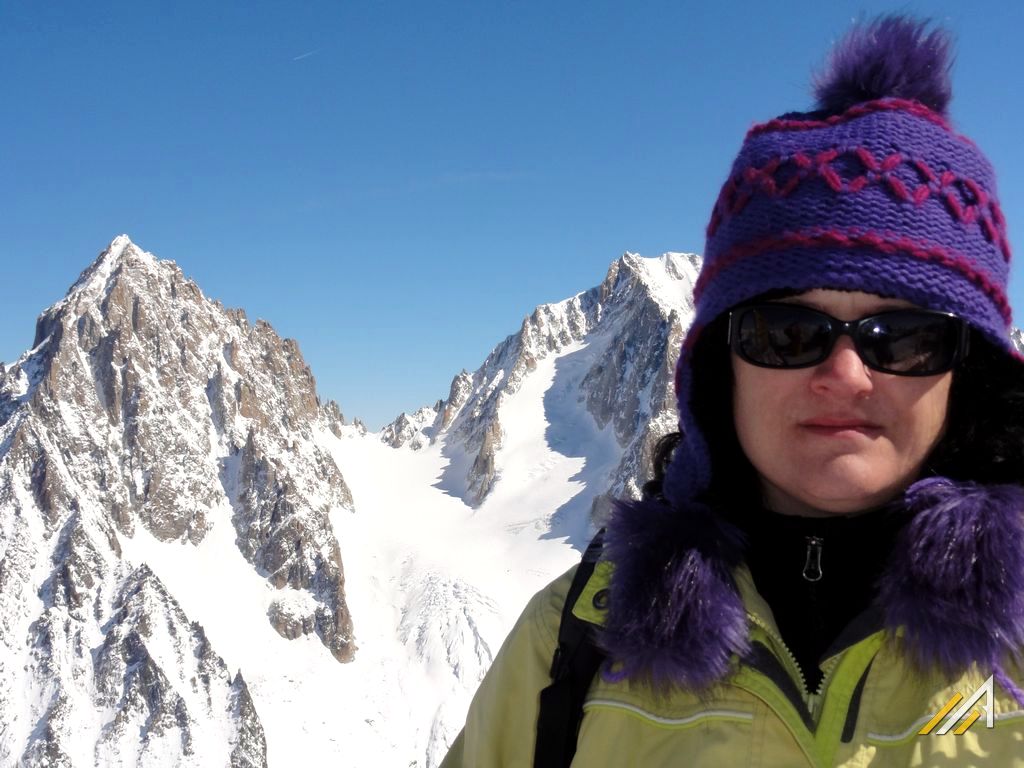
837	437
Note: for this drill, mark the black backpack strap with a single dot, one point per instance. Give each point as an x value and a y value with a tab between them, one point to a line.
575	663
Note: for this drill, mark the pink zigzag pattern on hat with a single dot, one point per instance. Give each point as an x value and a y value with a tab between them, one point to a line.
738	191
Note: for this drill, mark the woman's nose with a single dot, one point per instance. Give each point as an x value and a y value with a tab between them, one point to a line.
842	371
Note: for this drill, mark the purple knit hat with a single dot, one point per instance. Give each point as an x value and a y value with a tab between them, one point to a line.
873	192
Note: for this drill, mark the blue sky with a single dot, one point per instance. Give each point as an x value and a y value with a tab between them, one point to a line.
396	184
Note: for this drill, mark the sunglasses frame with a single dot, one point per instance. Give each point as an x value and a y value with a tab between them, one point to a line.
849	328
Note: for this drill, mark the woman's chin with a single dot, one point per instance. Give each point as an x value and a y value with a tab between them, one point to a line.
830	495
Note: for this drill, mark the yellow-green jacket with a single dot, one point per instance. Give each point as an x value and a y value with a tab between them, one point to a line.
870	710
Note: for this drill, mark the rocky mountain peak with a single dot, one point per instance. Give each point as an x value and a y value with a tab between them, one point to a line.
121	258
144	404
121	249
637	314
667	280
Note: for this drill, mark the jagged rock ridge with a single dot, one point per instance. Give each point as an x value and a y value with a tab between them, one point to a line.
142	403
638	314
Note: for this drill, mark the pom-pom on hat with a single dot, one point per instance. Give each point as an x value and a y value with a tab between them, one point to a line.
872	191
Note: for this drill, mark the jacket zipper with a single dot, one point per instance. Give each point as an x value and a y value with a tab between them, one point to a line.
812	560
812	572
777	639
813	700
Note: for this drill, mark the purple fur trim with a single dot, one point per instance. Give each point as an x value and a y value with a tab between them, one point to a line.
955	583
1004	680
612	675
891	56
956	580
674	616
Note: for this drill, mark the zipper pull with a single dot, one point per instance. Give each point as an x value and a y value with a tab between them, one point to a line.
812	564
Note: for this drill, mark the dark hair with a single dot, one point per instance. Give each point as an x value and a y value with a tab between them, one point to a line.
983	441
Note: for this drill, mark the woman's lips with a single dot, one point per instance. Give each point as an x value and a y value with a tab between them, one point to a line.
840	427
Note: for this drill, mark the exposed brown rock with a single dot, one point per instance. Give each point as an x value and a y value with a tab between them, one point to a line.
142	403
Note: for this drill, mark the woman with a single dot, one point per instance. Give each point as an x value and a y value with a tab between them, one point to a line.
829	566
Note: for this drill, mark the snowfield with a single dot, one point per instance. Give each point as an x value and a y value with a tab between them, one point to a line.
433	585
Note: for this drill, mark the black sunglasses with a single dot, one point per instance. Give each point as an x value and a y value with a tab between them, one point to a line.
906	342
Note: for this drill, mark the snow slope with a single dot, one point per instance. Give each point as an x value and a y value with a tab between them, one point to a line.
433	584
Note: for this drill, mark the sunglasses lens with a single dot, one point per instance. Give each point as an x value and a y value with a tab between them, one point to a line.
908	342
782	336
912	343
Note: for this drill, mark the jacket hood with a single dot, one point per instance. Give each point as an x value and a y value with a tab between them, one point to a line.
954	584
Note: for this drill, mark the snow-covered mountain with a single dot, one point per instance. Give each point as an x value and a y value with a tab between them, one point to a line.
176	504
614	351
1017	338
145	408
